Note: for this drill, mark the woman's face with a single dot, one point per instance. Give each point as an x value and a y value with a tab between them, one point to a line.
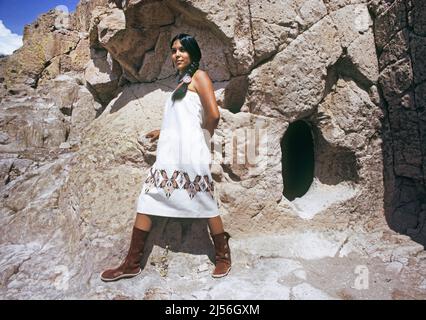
180	56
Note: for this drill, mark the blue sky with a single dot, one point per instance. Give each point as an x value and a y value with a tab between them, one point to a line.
15	14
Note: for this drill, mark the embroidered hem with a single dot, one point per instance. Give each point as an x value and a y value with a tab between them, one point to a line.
179	180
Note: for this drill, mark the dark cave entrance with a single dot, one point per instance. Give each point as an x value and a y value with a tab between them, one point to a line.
297	149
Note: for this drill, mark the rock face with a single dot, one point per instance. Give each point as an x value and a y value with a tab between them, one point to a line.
400	31
78	98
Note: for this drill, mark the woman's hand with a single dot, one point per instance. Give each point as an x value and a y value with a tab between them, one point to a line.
154	135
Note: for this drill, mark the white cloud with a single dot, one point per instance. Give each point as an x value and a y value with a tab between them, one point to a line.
9	41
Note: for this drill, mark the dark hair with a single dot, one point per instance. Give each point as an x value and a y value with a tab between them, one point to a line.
191	46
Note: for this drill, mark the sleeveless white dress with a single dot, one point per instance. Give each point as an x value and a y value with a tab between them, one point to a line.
179	183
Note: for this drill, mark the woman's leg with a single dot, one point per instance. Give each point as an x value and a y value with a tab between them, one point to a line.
223	253
130	267
216	225
143	222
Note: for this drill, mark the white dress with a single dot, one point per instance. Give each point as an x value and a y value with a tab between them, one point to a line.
179	183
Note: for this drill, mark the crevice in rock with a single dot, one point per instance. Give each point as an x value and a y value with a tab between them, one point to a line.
67	133
97	99
384	104
118	3
67	111
38	76
251	26
13	92
227	169
8	179
75	47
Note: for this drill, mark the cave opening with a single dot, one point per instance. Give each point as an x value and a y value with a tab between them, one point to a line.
297	149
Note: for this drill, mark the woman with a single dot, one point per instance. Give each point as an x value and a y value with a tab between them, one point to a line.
179	183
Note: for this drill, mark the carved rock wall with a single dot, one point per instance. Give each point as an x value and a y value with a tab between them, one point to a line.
400	30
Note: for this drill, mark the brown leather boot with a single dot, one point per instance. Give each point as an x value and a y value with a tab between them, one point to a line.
130	267
223	255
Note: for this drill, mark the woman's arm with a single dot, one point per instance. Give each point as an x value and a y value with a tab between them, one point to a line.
204	87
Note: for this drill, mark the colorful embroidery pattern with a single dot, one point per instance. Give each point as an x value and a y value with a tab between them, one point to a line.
179	180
